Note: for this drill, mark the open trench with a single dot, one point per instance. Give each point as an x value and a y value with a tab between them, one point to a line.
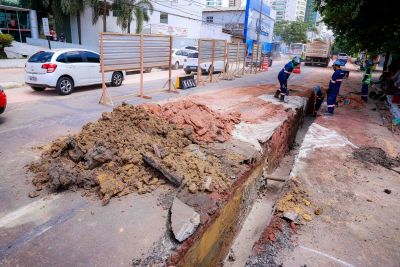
246	211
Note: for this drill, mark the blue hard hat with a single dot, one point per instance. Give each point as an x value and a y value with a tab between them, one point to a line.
317	88
296	60
337	63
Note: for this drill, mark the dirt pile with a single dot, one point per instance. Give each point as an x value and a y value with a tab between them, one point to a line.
295	200
207	125
107	157
376	155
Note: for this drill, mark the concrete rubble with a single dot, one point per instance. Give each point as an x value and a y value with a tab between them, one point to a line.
184	220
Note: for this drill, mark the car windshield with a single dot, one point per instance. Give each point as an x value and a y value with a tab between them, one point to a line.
41	57
193	55
342	54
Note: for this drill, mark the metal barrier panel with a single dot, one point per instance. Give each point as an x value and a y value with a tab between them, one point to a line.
122	52
210	51
236	58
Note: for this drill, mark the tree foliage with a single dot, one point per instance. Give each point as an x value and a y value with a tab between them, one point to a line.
5	40
366	25
132	10
292	31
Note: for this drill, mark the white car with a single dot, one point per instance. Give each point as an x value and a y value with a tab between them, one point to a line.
179	57
192	61
65	69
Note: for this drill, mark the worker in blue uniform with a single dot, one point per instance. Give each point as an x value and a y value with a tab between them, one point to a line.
366	81
334	87
283	77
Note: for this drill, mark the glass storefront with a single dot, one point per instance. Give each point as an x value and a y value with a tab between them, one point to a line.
16	22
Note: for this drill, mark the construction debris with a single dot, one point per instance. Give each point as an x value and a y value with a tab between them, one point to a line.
184	220
206	124
376	155
107	157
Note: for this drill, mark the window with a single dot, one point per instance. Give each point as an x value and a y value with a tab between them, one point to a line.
164	18
193	55
61	58
74	57
209	19
91	57
178	53
41	57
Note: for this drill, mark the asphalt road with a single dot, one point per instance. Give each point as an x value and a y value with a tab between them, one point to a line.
67	229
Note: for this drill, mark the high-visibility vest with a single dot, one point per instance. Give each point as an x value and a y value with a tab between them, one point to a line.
369	76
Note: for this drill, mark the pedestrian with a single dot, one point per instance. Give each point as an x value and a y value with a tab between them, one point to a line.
62	37
334	87
366	81
283	77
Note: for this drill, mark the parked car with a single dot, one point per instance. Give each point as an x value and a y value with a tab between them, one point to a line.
192	62
179	57
342	57
65	69
3	100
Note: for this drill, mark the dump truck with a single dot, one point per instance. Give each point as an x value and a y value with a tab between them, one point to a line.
317	53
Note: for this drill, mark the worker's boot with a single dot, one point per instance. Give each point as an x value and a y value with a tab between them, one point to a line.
282	98
277	93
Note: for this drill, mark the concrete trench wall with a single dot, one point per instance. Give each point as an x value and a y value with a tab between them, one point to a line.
213	240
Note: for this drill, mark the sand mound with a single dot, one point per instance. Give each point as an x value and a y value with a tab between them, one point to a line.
207	124
107	157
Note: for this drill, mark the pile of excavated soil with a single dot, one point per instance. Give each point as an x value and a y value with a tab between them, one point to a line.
376	155
295	199
207	125
107	157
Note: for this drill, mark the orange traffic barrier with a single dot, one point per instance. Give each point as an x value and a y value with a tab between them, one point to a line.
297	69
265	64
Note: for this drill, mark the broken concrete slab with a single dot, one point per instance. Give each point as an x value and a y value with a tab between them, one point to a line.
184	220
293	102
291	216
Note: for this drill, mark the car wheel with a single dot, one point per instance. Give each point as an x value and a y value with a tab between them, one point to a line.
39	89
65	86
176	65
188	71
117	78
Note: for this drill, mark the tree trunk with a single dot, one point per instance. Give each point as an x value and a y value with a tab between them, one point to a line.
105	16
78	21
386	63
129	26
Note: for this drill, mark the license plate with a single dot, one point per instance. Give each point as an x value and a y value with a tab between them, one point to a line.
193	68
32	78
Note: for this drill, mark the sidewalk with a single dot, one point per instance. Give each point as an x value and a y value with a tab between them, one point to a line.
357	201
12	63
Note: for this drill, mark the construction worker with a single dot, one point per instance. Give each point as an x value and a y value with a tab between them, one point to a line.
366	81
319	99
334	87
283	77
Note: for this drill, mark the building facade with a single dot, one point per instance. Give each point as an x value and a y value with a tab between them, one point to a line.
291	10
311	16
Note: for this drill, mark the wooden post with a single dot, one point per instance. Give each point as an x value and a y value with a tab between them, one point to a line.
244	56
103	83
225	58
141	65
212	62
170	64
237	58
198	63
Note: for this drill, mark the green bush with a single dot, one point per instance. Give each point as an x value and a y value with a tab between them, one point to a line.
5	40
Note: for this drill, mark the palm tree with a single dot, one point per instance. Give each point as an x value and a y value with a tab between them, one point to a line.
67	7
132	10
100	8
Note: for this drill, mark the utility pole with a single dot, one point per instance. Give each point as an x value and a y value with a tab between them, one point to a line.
258	34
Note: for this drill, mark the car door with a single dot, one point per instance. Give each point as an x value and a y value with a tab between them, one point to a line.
93	63
77	67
